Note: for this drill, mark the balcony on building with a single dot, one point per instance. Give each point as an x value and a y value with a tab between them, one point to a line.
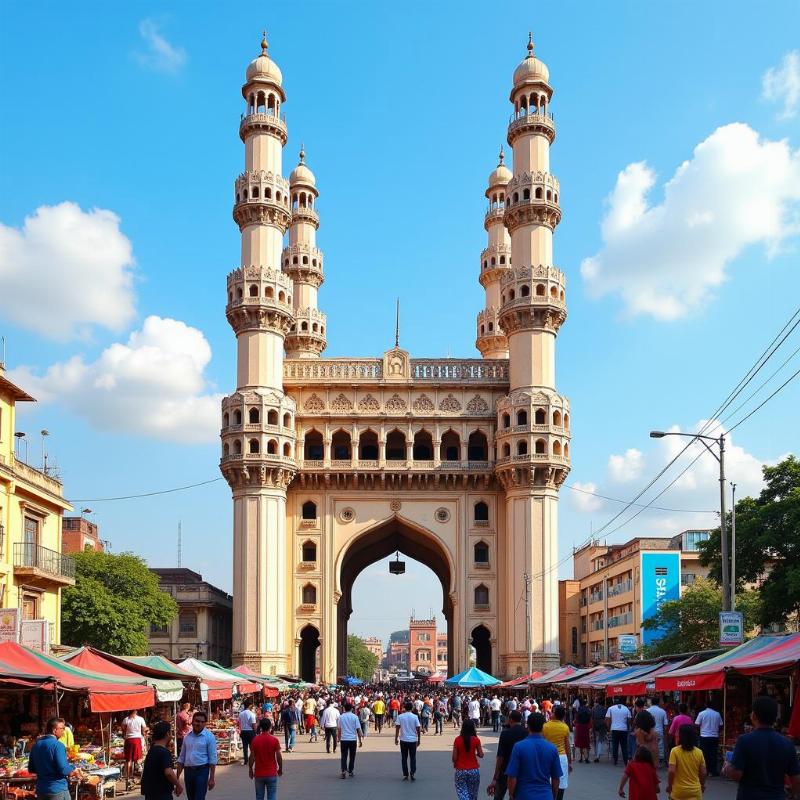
43	567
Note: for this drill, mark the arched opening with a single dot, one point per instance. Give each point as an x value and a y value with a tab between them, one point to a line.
376	545
226	449
423	446
368	446
309	551
541	446
253	290
253	416
287	450
237	417
309	650
287	420
450	449
477	447
309	595
557	418
340	446
556	448
396	446
272	417
522	448
522	417
312	446
309	510
253	446
481	512
237	447
482	642
540	417
506	450
480	553
226	420
506	420
272	447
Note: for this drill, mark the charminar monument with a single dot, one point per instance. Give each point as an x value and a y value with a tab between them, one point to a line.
335	463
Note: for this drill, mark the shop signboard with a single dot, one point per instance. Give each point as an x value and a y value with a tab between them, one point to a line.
731	626
35	633
660	581
9	624
627	644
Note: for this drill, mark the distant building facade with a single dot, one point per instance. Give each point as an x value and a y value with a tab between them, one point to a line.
202	628
441	652
79	534
397	656
422	645
375	646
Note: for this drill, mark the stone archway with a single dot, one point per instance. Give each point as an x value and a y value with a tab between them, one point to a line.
377	543
309	645
482	642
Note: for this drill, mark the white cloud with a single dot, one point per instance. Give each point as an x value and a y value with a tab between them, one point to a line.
627	467
66	270
161	55
665	259
583	497
153	385
782	85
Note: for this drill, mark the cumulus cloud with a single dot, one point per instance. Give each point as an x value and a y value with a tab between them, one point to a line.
782	85
160	54
66	270
153	385
665	259
583	497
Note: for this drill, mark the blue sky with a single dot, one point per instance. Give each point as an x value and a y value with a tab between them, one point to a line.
402	110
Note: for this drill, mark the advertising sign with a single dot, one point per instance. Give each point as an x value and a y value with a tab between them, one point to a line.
9	624
660	581
627	644
730	628
35	633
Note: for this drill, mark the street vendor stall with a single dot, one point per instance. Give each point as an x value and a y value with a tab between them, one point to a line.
557	674
520	683
634	685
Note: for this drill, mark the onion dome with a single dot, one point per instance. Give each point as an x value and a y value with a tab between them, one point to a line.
502	174
531	70
264	68
301	173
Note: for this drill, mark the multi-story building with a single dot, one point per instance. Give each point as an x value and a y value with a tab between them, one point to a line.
441	653
397	656
79	534
422	645
33	570
375	646
335	463
202	628
617	587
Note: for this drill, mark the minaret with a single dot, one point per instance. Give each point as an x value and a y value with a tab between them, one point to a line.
533	421
302	261
258	419
495	262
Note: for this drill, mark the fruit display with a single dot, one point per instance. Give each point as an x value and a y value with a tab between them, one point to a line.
10	766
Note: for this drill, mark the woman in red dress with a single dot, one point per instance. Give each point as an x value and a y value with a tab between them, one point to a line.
582	729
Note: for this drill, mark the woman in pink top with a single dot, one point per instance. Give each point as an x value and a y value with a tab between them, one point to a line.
681	718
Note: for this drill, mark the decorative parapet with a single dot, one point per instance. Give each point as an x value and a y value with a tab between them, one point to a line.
263	123
522	123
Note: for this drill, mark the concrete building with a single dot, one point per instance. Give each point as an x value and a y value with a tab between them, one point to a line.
202	628
616	587
335	463
422	645
375	646
441	653
79	534
33	570
397	656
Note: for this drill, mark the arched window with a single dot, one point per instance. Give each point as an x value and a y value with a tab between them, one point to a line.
540	416
477	447
254	194
269	292
226	449
541	446
526	194
566	421
309	551
506	450
287	450
423	446
272	447
272	417
187	623
309	510
506	421
539	193
287	420
524	291
522	417
522	448
540	290
481	512
566	449
253	446
226	420
340	446
237	417
237	447
309	595
312	446
450	449
481	595
368	446
556	448
253	290
480	553
557	418
253	416
396	446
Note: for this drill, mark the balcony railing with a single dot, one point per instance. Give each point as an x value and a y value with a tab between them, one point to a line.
44	559
620	588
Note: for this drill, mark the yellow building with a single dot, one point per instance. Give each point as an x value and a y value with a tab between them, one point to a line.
32	568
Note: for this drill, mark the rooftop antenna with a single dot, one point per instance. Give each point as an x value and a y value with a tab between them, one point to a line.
3	356
397	325
45	433
179	543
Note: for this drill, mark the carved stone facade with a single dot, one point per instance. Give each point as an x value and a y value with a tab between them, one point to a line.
336	463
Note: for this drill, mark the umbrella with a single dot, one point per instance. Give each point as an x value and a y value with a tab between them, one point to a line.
472	677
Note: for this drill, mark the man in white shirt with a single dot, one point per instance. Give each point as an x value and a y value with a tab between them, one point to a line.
330	724
475	711
247	728
349	733
618	719
662	723
710	723
407	733
495	705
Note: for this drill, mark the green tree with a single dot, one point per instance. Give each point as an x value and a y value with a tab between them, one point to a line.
692	622
114	601
767	543
360	662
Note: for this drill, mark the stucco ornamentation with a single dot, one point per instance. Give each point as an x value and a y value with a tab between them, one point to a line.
342	403
477	405
395	505
314	403
368	403
396	404
450	403
423	403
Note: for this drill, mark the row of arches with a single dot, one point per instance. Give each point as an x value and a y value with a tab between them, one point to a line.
396	446
254	417
302	200
539	448
316	327
540	290
298	260
493	261
533	103
497	200
263	103
539	418
253	446
538	194
255	194
252	291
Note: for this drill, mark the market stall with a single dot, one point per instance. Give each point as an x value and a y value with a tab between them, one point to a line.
520	684
645	682
557	674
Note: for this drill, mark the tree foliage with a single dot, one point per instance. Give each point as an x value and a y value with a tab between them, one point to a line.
692	622
114	601
360	662
767	543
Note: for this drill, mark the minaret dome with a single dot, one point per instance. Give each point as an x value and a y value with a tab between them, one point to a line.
301	175
531	70
501	174
263	70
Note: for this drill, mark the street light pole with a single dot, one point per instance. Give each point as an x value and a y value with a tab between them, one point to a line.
723	528
733	547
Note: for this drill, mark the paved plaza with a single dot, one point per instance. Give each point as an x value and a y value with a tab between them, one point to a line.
310	771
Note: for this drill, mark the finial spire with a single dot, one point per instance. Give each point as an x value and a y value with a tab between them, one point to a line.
397	325
530	44
302	153
502	156
264	42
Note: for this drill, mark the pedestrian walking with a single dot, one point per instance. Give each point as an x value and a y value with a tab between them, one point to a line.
134	730
494	707
646	734
439	714
425	715
618	718
534	768
310	714
709	721
662	723
247	728
582	729
556	731
687	767
379	710
515	732
198	758
330	724
474	711
183	724
681	718
407	735
349	733
266	761
641	772
467	750
290	719
599	729
363	717
763	759
159	779
48	762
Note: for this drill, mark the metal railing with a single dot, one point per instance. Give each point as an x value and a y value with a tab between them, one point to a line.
27	554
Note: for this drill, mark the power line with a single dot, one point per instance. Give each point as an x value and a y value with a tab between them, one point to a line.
642	505
145	494
762	404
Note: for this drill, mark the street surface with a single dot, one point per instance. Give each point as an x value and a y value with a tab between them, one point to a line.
310	772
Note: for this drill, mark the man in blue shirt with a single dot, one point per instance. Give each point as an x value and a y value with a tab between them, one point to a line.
48	761
535	768
198	758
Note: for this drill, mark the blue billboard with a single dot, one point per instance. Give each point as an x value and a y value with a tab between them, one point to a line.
660	581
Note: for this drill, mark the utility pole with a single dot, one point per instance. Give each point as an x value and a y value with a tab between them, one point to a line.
733	547
527	579
723	530
179	543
